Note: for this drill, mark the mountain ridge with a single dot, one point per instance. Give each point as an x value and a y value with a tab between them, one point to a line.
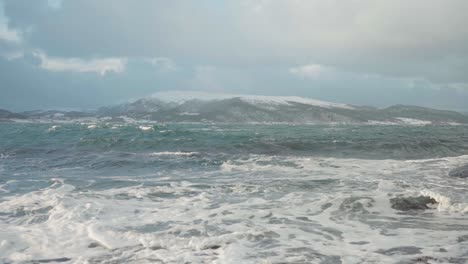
268	109
7	115
202	107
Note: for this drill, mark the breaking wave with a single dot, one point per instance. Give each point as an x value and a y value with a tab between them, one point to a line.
116	194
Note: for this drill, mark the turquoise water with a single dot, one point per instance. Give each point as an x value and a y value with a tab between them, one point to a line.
200	193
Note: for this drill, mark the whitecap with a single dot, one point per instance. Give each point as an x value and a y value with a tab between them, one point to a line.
53	128
145	128
444	203
174	153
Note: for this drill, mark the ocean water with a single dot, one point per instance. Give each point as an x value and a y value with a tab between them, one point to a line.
200	193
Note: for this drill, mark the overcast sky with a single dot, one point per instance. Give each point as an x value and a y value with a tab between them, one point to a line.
82	54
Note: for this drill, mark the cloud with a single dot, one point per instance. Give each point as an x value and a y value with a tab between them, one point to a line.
6	33
9	35
354	51
459	87
310	71
99	66
419	39
13	55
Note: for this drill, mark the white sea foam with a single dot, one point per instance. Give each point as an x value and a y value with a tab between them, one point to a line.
189	114
263	208
145	128
53	128
445	203
376	122
174	153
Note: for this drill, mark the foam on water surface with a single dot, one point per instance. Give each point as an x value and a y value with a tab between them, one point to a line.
277	209
174	153
145	128
117	195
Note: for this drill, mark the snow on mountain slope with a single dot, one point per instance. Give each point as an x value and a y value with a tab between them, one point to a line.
186	106
184	96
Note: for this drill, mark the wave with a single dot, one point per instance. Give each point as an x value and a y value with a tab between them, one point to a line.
145	128
224	221
230	194
445	204
174	153
366	142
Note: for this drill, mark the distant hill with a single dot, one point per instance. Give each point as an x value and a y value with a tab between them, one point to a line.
202	107
417	112
181	107
56	114
7	115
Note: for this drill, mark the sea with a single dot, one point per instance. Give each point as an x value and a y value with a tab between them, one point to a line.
231	193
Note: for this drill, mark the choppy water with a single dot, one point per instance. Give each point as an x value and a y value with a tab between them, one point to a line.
132	193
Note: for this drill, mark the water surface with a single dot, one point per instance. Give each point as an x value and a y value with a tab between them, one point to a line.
200	193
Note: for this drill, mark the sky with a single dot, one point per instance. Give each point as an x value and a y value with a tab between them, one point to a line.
83	54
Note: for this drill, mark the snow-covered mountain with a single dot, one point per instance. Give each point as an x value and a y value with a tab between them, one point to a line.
181	97
228	108
205	107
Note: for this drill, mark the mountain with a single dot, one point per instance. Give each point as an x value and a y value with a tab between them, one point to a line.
6	115
200	107
225	108
56	114
422	113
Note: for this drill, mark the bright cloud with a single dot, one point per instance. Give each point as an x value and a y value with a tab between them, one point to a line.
310	71
99	66
7	34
